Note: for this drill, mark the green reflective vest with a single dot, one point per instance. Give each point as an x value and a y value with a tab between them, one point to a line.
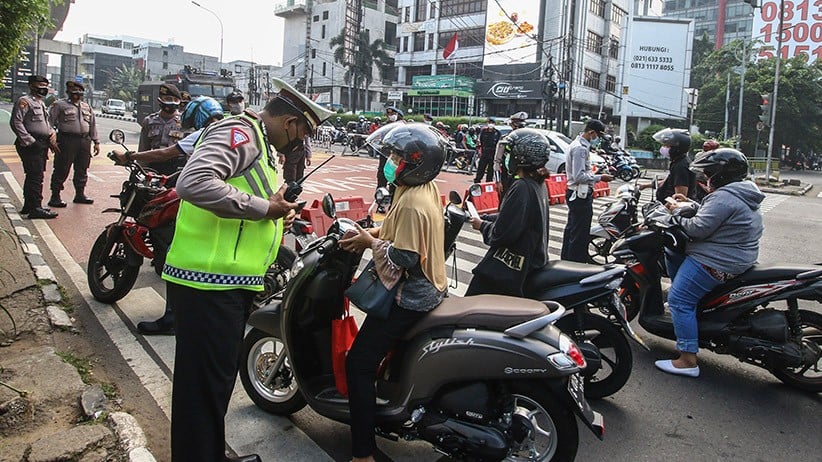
213	253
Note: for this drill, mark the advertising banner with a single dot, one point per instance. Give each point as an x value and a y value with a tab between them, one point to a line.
511	27
658	68
801	29
450	82
529	89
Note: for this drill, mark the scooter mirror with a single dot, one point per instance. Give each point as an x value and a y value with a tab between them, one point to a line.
382	196
454	197
329	209
475	190
117	136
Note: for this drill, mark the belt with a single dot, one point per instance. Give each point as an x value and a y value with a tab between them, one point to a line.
73	135
576	187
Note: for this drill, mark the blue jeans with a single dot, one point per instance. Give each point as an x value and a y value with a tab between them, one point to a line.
691	281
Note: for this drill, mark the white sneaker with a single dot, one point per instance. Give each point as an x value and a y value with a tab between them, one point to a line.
667	365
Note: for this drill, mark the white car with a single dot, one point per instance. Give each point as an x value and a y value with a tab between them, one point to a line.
114	106
560	145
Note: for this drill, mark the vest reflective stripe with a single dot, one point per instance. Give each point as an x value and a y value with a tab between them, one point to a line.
213	253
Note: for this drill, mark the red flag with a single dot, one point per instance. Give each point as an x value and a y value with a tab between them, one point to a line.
453	45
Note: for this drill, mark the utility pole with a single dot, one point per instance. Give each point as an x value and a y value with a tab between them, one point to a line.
741	93
778	55
727	101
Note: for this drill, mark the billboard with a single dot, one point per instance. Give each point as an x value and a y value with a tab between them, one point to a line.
801	29
511	29
658	68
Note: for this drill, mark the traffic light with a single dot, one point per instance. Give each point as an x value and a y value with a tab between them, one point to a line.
765	105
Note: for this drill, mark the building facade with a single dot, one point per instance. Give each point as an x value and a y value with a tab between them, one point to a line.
722	20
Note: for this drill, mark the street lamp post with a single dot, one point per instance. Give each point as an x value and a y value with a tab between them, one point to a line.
221	30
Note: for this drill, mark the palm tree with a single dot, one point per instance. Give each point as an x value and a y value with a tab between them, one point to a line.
360	73
123	82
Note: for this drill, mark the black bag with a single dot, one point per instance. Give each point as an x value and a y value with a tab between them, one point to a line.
370	295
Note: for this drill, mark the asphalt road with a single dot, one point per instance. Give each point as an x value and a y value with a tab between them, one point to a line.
733	412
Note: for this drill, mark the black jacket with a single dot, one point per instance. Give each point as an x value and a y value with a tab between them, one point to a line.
488	139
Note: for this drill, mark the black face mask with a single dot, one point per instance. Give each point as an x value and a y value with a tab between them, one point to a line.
42	91
169	107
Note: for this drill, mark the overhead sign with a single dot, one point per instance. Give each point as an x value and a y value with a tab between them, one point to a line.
801	29
529	89
511	30
394	96
658	68
458	82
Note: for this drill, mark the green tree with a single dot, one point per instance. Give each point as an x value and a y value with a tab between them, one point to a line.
703	47
360	74
22	21
123	82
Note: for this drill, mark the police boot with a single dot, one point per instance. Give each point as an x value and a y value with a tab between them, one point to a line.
80	197
55	200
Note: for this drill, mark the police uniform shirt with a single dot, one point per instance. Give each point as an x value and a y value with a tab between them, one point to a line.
76	119
186	145
158	132
29	120
578	164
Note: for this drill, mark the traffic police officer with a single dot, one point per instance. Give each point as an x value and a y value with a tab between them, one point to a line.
162	128
236	102
29	122
76	131
228	230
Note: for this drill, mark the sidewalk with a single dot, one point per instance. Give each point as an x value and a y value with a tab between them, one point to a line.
51	406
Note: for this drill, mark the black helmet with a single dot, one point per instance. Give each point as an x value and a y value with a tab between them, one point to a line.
722	166
422	150
235	96
677	139
529	149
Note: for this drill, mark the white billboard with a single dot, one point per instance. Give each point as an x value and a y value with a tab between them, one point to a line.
658	68
801	28
511	27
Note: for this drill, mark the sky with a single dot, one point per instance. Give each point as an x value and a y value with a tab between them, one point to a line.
250	29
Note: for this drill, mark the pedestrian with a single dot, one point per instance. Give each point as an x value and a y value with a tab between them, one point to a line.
409	241
393	114
680	180
517	236
202	112
229	228
488	138
580	197
76	132
428	119
162	128
295	162
236	102
377	123
30	124
503	178
471	144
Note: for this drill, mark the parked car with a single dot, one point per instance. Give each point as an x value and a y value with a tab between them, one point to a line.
114	106
560	145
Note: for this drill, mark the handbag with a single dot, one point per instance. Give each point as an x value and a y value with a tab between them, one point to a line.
505	267
369	293
343	333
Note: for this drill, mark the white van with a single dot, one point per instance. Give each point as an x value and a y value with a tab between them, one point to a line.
114	106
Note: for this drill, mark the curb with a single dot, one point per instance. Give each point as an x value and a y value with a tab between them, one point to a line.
794	191
128	430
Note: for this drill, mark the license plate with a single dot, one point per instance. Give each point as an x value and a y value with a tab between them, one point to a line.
342	206
576	387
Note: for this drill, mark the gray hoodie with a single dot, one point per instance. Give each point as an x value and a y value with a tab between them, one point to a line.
726	229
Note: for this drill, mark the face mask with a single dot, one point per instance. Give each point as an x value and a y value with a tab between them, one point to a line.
392	117
665	151
390	171
42	91
490	125
169	107
293	145
235	108
76	96
427	122
596	142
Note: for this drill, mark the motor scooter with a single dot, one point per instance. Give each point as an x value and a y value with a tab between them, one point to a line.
615	221
483	378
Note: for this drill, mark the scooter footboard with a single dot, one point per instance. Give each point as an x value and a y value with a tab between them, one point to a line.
267	319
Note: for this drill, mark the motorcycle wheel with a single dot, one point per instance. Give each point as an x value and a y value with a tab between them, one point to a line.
276	277
635	172
275	392
615	353
811	326
599	250
112	280
549	429
626	175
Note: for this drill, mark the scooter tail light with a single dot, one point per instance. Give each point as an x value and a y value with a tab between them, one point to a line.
571	350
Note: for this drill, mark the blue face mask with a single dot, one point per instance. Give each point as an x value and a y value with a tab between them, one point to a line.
390	171
596	142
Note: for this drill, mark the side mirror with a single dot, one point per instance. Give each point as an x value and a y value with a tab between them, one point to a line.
475	190
382	196
454	197
117	136
329	209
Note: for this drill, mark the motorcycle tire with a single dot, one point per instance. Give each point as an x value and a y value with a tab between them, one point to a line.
259	351
122	273
538	408
635	172
599	251
276	277
811	326
626	174
613	348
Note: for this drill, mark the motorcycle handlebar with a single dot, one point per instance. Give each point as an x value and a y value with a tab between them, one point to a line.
329	243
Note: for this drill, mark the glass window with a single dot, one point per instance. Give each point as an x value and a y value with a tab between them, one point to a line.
322	35
325	15
316	18
617	14
324	68
292	70
432	10
313	53
419	41
610	83
411	71
613	48
593	42
200	90
430	41
422	9
467	37
591	78
405	44
461	7
407	14
597	7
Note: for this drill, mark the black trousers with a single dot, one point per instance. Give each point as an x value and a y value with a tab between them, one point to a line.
485	167
374	340
209	326
33	158
294	166
381	180
74	151
578	229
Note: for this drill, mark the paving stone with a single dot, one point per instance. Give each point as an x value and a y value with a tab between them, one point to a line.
69	444
50	292
93	401
44	273
58	317
13	453
40	371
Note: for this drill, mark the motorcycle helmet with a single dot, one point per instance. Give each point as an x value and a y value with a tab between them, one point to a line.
199	111
377	120
710	145
722	166
421	148
678	140
235	96
529	149
518	119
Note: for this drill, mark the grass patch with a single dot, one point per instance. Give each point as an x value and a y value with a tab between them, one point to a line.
109	389
83	365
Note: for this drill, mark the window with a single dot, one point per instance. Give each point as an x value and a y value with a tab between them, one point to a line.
407	14
325	15
430	41
165	65
316	18
597	7
466	37
461	7
617	14
422	10
419	41
390	34
322	35
613	47
591	79
432	10
593	42
405	44
610	83
411	71
324	68
165	53
292	70
313	53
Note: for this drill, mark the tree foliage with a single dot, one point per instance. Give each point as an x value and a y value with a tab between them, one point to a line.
21	21
360	73
123	82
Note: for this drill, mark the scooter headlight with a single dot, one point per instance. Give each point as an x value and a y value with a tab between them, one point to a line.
296	267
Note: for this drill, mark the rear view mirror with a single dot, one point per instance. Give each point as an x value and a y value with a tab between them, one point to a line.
117	136
382	196
329	208
454	197
475	190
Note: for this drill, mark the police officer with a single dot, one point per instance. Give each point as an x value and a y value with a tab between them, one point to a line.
29	122
162	128
76	132
229	226
503	177
236	102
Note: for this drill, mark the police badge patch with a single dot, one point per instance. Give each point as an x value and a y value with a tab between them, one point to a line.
238	138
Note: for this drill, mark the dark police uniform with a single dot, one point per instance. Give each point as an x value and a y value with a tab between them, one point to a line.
29	122
76	130
160	132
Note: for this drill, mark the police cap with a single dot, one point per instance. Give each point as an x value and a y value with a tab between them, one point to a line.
168	89
72	87
313	113
37	79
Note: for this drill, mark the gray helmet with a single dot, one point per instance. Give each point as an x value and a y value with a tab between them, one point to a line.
529	149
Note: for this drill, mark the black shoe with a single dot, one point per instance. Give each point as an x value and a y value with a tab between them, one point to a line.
82	200
159	327
57	202
40	212
248	458
25	210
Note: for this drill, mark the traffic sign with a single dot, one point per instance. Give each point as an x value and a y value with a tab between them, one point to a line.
78	78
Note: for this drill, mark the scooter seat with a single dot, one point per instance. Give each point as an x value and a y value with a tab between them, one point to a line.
560	272
759	273
495	312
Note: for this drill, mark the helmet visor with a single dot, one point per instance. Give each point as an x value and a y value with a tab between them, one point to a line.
374	140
